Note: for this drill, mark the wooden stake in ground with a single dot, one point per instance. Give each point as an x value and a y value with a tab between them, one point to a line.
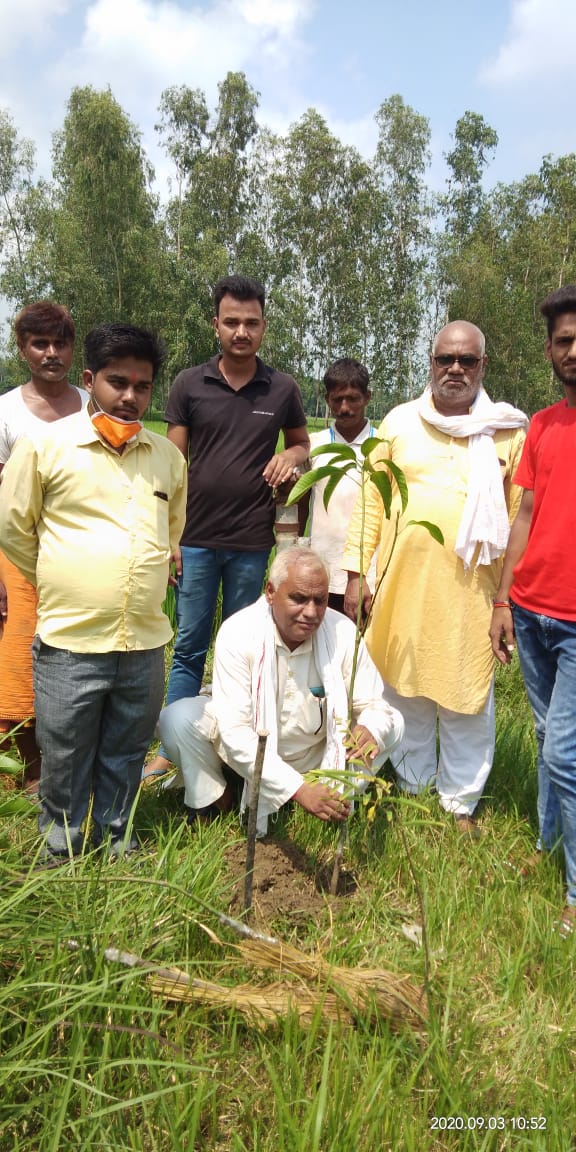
338	860
252	818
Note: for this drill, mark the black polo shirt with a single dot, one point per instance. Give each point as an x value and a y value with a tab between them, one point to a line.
233	435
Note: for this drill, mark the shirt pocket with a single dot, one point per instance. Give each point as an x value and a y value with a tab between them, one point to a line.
153	515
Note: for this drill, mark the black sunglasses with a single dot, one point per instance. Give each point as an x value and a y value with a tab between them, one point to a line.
465	361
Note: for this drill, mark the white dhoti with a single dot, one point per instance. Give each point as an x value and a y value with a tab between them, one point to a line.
460	771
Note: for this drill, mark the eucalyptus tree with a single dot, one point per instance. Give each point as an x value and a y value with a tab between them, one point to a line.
474	145
105	243
183	131
16	206
400	249
220	190
192	256
207	222
521	246
318	225
462	206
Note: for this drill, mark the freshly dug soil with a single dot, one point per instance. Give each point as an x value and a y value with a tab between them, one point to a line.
287	883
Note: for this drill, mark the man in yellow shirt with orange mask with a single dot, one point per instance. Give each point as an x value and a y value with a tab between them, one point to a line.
91	516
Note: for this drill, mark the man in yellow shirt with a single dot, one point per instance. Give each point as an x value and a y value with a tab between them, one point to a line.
428	634
91	515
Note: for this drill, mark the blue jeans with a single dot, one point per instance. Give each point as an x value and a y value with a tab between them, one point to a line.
547	651
242	576
95	717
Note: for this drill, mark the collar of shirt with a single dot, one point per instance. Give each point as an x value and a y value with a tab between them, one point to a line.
212	371
364	433
305	646
90	436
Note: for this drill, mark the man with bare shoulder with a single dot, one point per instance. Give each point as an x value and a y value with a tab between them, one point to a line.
45	337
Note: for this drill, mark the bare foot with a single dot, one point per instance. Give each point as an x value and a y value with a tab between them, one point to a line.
225	802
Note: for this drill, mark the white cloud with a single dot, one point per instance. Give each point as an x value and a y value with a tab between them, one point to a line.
541	41
361	133
26	22
140	47
168	43
281	15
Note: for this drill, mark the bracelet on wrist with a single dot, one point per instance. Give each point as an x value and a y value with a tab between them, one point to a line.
500	603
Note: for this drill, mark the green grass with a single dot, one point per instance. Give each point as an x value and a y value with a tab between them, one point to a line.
158	426
314	423
90	1059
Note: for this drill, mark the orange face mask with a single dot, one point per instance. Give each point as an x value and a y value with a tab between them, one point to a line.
116	431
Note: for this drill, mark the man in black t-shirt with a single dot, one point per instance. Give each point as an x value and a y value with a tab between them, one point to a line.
225	417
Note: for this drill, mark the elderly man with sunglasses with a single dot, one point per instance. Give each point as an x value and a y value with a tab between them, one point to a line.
428	633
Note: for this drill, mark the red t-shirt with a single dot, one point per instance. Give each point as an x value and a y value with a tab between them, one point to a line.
545	577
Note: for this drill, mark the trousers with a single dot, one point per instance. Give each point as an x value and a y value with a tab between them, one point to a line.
95	717
460	771
203	569
547	653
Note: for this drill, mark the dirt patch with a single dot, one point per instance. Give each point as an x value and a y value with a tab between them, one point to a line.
287	883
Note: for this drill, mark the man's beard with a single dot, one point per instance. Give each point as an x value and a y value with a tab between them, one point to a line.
567	378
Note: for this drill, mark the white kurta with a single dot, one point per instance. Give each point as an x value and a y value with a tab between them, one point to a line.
199	734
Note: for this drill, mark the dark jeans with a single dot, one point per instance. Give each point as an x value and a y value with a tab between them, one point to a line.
242	576
547	652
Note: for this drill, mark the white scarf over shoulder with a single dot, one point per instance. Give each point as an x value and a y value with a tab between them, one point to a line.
264	697
484	520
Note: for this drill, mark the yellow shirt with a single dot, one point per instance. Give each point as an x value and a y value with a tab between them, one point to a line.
428	635
94	532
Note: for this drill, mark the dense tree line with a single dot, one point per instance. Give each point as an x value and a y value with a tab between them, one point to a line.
359	256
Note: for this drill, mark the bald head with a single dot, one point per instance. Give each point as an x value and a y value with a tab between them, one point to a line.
457	366
464	329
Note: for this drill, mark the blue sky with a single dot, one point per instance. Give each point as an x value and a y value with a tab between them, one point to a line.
510	60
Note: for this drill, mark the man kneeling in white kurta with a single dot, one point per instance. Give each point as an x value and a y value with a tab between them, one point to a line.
284	665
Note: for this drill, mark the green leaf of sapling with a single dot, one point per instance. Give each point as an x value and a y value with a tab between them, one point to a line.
400	481
340	450
370	445
384	486
334	479
307	481
433	529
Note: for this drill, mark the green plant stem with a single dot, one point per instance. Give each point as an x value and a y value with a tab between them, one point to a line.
360	629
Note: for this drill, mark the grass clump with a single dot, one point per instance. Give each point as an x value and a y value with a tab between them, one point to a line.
92	1058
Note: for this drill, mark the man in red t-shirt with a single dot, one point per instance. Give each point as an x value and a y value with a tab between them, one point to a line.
536	599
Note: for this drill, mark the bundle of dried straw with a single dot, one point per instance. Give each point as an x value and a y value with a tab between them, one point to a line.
339	993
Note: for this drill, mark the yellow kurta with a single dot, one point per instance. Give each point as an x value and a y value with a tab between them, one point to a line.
429	631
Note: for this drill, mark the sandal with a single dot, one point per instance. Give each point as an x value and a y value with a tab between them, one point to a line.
566	926
153	775
467	826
